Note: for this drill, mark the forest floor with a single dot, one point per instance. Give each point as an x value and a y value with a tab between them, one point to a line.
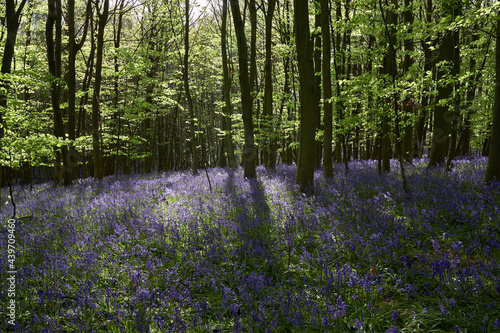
162	253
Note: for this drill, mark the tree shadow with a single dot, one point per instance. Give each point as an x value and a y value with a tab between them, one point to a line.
252	221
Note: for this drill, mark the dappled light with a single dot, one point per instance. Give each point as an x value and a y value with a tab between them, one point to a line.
161	253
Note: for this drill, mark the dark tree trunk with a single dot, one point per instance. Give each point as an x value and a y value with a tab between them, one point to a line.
268	119
408	103
246	99
339	61
228	137
327	90
117	31
442	116
390	27
493	167
318	149
73	47
54	60
456	98
308	106
12	19
96	144
192	125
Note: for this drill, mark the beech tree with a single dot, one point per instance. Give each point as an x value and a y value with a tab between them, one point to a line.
227	80
249	153
327	90
442	113
130	105
493	167
192	120
54	49
270	144
308	92
96	131
12	20
73	48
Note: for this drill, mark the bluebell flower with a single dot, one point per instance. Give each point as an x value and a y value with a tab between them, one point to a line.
444	312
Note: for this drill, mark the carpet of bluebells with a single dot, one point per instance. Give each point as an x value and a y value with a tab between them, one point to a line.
164	253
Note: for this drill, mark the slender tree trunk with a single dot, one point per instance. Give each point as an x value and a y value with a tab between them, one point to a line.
456	97
253	66
390	26
442	116
117	29
54	60
192	125
338	59
308	106
96	144
268	119
389	67
249	154
463	145
12	19
408	102
73	47
493	166
228	137
327	91
421	120
317	37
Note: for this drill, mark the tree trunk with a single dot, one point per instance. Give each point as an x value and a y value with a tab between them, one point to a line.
96	144
73	47
338	59
54	60
392	69
253	65
268	119
456	97
493	166
442	118
408	102
12	20
318	149
308	106
327	91
192	125
117	29
228	137
246	100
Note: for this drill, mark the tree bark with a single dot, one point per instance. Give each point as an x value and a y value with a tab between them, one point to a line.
73	47
12	19
54	60
228	137
408	102
192	125
493	167
456	97
390	26
317	49
246	99
96	144
308	107
327	91
442	117
269	136
117	29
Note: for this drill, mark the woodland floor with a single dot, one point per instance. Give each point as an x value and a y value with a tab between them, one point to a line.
162	253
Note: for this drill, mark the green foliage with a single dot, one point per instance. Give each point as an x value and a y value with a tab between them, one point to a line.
143	102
